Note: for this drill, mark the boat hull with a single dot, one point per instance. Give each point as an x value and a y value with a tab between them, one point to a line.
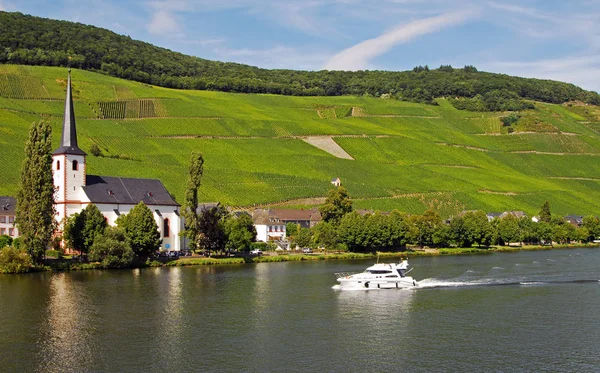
351	283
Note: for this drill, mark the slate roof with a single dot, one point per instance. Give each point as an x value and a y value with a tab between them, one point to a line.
123	190
68	142
7	205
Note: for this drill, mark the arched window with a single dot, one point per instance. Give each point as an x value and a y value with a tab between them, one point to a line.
57	165
75	165
166	228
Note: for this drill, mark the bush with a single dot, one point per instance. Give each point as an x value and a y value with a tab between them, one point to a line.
510	119
111	249
58	254
95	150
13	260
5	240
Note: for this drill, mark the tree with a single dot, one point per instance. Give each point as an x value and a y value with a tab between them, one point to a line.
337	204
190	208
545	214
240	232
509	230
81	229
35	198
111	249
592	224
424	226
302	239
211	224
325	235
140	231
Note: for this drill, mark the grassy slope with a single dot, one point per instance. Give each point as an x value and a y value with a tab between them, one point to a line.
407	156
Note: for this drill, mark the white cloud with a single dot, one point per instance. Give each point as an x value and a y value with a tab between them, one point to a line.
358	56
162	23
278	57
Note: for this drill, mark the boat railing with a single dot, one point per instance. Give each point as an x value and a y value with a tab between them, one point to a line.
344	274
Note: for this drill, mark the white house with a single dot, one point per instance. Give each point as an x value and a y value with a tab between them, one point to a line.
268	227
114	196
7	217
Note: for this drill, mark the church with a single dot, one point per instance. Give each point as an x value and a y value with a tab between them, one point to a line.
114	196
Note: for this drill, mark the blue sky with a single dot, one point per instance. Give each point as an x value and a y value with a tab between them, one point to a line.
533	38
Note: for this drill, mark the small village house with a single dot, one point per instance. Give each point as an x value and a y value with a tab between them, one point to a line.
7	217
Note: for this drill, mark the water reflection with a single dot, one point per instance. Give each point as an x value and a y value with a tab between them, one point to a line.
66	342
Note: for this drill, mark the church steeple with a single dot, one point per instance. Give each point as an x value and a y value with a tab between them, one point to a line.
68	142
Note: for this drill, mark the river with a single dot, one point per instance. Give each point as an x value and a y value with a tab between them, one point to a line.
528	311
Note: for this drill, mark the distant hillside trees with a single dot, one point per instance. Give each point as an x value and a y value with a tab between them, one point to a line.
37	41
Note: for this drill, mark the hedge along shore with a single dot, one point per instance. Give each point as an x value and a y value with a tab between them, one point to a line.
411	252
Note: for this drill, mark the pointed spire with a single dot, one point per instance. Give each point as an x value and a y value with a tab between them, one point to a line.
68	142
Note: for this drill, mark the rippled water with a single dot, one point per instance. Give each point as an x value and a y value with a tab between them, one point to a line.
527	311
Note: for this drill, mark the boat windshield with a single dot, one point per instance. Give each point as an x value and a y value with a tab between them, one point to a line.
378	272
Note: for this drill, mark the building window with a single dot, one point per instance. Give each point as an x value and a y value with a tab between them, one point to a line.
11	232
2	219
11	219
75	165
57	165
166	228
2	231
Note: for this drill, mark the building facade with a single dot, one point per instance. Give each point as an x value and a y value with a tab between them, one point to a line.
7	217
114	196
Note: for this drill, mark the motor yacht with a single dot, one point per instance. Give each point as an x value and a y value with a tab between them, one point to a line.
378	276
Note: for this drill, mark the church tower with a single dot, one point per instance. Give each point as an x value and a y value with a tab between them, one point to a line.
68	164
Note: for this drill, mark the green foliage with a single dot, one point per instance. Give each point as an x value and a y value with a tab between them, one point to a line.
140	231
31	40
240	232
374	232
592	224
35	197
510	119
95	150
192	229
58	254
211	224
336	205
545	214
81	229
13	260
470	228
423	227
112	249
509	229
5	240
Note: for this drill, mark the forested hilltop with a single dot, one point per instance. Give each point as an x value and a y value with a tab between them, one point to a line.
32	40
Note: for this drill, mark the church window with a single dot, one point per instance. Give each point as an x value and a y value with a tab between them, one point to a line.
75	165
166	228
57	165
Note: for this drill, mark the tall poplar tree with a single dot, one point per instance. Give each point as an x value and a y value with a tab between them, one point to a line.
192	229
35	197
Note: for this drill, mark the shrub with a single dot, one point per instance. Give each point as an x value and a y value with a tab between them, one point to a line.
58	254
95	150
5	240
111	249
510	119
13	260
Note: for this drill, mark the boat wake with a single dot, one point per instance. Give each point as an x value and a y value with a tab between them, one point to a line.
436	283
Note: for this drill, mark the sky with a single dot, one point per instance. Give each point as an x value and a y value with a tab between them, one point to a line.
545	39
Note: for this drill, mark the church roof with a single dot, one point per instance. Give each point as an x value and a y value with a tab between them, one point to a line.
68	142
123	190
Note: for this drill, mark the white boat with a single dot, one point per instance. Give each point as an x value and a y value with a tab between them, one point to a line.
378	276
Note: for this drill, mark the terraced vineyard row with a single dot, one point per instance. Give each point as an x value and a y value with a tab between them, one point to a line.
21	87
131	109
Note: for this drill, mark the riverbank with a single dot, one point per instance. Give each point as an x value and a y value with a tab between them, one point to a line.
272	257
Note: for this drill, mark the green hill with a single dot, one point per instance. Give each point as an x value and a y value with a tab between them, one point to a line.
30	40
407	156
